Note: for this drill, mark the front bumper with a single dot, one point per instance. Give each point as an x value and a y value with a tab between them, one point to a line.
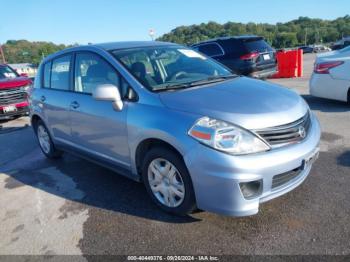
216	176
22	110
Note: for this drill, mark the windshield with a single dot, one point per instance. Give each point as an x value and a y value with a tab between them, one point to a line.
162	68
7	72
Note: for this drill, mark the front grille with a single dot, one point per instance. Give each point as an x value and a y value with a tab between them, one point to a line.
12	96
286	134
284	178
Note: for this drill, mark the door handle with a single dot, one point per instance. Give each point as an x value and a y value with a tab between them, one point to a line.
74	105
42	98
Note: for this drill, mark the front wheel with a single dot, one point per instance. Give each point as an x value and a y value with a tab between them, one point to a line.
168	182
45	141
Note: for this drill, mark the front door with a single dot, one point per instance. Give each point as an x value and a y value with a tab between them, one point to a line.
96	127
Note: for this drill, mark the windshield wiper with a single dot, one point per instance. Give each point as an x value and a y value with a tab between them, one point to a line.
211	79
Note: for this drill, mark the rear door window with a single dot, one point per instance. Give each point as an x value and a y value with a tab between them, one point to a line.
60	73
212	49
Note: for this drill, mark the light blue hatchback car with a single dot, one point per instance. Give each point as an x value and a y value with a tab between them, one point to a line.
196	134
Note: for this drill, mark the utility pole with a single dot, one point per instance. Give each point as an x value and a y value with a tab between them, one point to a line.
2	55
305	42
318	36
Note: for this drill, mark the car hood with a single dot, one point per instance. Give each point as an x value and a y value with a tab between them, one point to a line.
14	82
252	104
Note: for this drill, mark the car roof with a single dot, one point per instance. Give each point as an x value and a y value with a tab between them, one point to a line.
130	44
239	37
108	47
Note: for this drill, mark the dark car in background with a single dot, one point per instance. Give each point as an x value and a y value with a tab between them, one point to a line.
341	43
306	49
248	55
13	93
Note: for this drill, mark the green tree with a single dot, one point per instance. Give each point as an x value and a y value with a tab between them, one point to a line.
23	51
288	34
285	40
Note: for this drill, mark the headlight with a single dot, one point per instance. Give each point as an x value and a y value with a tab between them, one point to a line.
226	137
26	88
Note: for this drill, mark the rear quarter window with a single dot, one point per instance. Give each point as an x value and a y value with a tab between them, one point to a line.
233	48
212	49
47	75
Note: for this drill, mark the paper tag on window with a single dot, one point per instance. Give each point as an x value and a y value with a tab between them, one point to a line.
9	75
191	53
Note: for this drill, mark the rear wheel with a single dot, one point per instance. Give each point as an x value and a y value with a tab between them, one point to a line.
168	182
45	141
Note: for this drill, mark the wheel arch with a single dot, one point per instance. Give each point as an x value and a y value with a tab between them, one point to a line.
34	120
147	144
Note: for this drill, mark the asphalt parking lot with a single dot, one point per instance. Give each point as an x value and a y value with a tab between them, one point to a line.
71	206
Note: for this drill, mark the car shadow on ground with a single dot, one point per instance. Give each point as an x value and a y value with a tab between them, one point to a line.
326	105
6	130
80	181
344	159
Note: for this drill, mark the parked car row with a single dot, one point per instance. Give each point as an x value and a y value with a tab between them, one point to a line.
345	42
314	49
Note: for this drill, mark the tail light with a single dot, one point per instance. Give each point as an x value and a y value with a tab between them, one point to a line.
323	68
249	56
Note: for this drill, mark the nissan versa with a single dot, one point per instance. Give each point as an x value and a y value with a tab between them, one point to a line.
197	135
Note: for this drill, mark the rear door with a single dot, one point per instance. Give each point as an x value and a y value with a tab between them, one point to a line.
54	96
97	129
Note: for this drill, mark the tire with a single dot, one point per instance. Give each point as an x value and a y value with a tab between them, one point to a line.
45	141
177	185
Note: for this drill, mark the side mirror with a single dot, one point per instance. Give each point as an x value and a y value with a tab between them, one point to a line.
108	92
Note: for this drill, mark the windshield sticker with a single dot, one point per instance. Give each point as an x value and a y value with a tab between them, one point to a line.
191	53
9	75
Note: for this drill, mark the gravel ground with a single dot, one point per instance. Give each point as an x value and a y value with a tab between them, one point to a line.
71	206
